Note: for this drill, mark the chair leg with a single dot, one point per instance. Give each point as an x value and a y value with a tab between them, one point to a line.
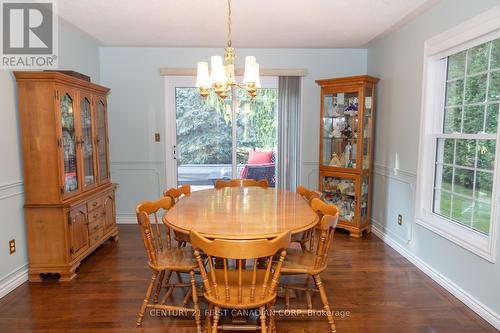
324	299
215	325
262	311
140	316
158	286
208	318
195	303
272	324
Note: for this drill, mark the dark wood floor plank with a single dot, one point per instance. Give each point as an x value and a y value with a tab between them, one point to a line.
381	290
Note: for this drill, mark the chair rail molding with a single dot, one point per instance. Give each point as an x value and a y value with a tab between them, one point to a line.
11	189
408	180
120	172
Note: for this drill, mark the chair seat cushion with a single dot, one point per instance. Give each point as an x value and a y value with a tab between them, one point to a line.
246	302
179	259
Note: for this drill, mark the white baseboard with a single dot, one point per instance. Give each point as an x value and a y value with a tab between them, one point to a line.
126	219
13	280
482	310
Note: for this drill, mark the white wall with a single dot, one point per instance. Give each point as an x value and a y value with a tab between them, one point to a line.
398	61
79	52
137	102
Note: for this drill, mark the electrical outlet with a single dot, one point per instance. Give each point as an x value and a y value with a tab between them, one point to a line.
400	219
157	137
12	246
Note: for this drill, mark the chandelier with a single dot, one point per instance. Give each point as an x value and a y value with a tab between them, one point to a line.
222	76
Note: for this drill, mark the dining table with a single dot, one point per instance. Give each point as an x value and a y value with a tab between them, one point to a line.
241	213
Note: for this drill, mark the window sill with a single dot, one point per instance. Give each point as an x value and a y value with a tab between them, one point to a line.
463	236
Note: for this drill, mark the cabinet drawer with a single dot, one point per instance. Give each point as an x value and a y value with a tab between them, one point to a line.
95	215
94	203
96	236
95	226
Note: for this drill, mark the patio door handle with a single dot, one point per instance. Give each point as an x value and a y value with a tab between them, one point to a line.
174	152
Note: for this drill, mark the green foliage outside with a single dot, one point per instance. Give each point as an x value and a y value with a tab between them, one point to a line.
204	133
469	86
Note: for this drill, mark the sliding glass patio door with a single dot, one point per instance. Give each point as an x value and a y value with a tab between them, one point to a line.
210	139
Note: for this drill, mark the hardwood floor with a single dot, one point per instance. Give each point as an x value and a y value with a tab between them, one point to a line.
381	290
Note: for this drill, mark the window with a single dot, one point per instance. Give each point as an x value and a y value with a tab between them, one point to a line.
456	192
465	154
210	139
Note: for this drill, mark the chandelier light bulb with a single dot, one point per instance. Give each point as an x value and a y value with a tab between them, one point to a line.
203	78
222	75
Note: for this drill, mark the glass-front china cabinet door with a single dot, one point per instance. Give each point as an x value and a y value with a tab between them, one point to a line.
341	191
340	129
68	143
102	144
87	143
367	127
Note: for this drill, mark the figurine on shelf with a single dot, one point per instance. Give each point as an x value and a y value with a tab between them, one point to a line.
345	210
364	188
346	187
336	132
366	162
352	107
347	131
336	110
335	161
347	155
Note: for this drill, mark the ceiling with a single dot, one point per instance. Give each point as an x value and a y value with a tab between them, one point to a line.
256	23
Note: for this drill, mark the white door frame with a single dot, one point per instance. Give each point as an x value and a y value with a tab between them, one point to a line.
171	82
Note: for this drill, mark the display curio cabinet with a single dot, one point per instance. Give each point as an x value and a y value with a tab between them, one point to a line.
346	149
69	199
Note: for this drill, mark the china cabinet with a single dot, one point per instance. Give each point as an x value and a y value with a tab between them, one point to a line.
69	199
346	148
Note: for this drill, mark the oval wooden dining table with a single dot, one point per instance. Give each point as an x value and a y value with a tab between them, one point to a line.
241	213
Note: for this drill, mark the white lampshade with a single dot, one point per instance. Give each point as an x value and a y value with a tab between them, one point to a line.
257	76
202	78
218	74
249	76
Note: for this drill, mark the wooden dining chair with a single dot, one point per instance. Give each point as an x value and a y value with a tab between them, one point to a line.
220	183
163	260
234	285
176	194
305	238
313	263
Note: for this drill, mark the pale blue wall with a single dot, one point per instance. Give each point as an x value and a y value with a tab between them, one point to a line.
137	109
77	51
398	61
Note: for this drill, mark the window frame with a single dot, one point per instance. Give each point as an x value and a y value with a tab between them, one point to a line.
478	30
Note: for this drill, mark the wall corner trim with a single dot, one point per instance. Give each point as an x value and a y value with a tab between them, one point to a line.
13	280
475	305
